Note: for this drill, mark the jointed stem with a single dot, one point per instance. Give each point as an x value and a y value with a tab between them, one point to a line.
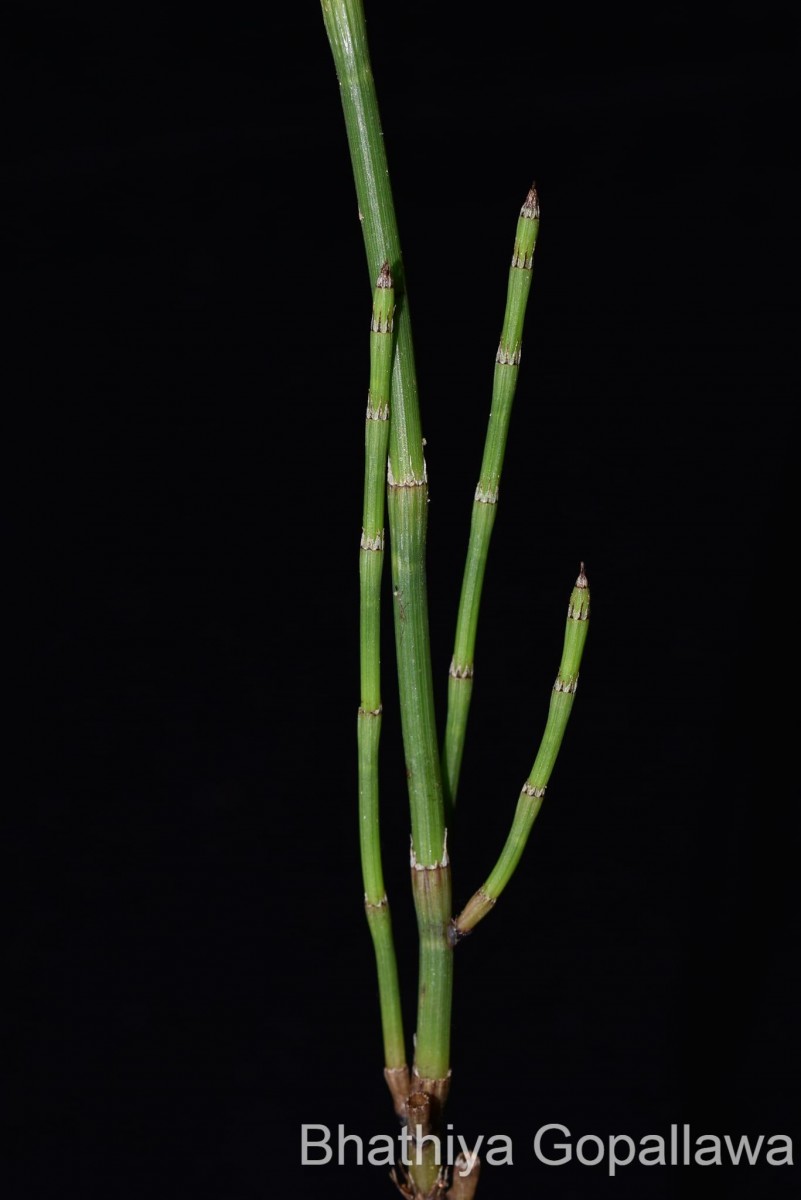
400	446
371	556
533	791
347	35
485	502
407	505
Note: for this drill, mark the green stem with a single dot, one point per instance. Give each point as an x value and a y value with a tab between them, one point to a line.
533	791
485	501
347	36
371	556
407	503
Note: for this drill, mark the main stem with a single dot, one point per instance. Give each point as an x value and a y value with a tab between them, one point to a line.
407	509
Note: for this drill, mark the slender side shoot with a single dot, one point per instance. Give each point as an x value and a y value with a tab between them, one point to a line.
371	560
485	501
533	791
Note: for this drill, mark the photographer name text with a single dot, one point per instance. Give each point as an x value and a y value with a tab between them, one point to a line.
553	1145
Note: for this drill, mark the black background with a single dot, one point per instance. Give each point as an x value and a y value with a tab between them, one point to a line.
194	971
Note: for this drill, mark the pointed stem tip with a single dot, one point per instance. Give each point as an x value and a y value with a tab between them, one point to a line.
531	205
582	580
385	277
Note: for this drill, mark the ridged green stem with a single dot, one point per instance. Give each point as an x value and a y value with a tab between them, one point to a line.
347	35
533	791
371	557
485	501
407	506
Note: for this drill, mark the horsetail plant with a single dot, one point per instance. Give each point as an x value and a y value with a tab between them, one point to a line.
394	461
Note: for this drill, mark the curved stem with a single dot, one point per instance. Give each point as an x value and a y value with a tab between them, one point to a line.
533	791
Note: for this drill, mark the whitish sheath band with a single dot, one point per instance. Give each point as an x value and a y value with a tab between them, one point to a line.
562	685
406	483
416	866
529	790
456	671
377	414
508	358
488	497
376	543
